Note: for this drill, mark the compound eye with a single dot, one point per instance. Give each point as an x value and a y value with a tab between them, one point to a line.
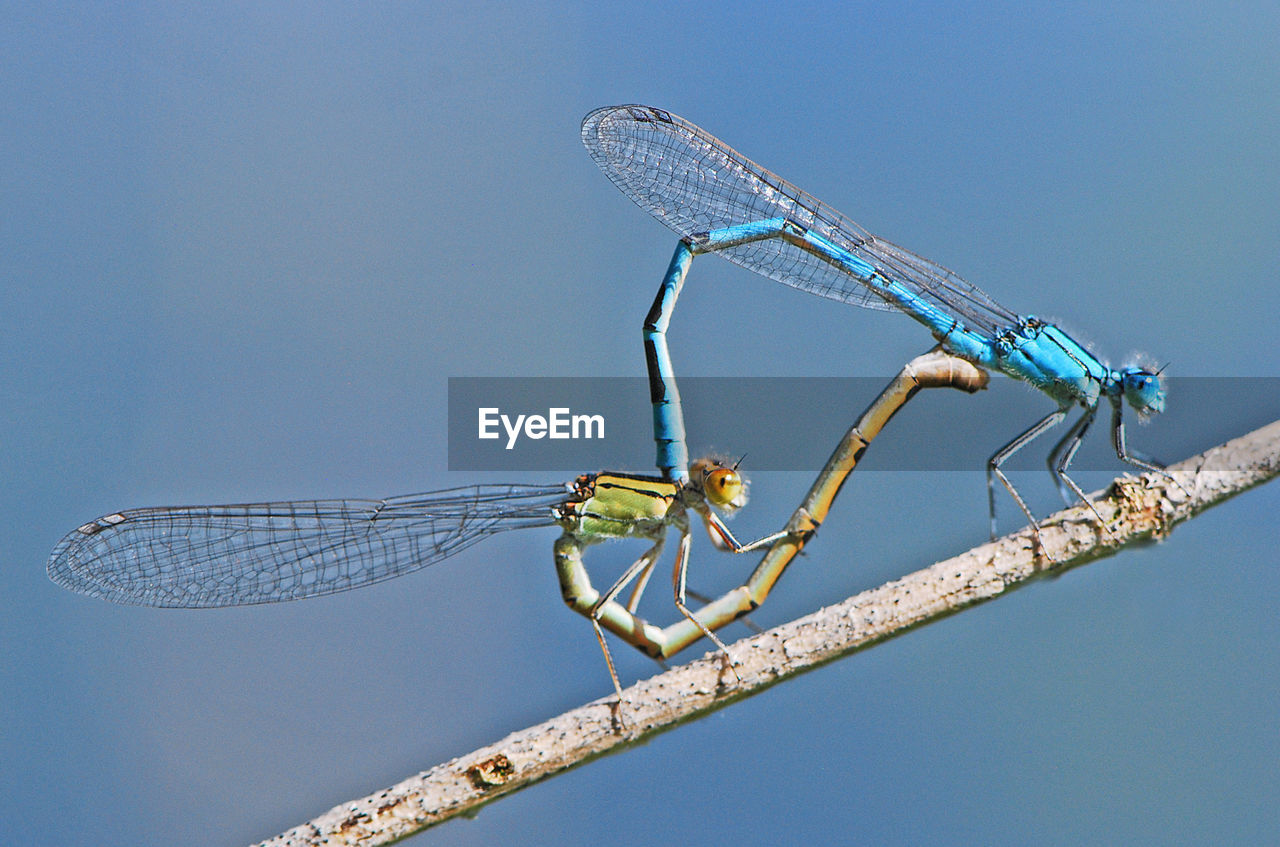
723	486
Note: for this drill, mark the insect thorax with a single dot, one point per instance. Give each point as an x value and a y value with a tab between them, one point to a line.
617	505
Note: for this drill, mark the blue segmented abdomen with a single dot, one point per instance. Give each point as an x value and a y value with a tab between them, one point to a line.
1034	352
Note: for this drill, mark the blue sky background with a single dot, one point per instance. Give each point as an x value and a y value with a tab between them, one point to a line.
242	249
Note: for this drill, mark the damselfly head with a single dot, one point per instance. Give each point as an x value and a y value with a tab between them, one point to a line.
1144	389
721	483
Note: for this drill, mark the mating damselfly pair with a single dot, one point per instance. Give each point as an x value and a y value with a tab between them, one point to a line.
717	201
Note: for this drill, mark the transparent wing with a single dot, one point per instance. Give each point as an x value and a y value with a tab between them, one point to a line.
695	183
205	556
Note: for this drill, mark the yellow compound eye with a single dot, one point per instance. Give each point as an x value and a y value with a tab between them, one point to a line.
723	486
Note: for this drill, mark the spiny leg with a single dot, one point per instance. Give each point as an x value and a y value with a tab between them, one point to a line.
608	658
1002	455
678	576
1138	461
1059	469
641	565
1055	455
723	538
633	601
